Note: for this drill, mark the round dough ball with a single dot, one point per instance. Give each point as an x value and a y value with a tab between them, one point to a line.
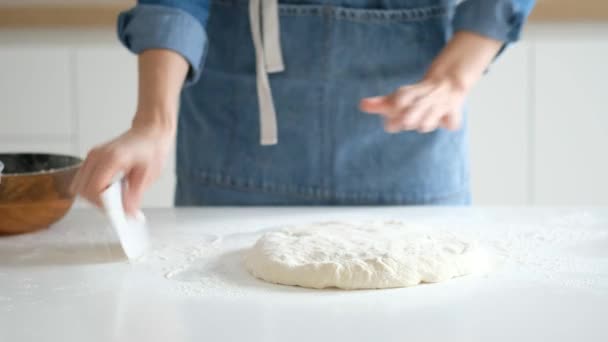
361	256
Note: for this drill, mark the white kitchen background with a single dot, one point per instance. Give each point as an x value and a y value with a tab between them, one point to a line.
538	120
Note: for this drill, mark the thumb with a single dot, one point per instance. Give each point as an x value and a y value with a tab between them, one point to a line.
376	105
133	192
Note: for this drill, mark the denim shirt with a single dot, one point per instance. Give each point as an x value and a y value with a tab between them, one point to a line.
330	54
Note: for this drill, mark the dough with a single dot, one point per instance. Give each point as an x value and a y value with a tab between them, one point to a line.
361	256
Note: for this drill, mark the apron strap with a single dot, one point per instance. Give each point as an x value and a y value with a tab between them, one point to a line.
269	59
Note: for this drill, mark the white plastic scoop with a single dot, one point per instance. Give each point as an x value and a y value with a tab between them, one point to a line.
132	231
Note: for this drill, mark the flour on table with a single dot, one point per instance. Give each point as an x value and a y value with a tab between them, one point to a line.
558	249
362	256
195	267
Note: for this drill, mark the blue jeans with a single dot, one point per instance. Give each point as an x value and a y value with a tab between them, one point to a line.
329	153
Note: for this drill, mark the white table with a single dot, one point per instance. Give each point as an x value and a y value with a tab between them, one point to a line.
72	283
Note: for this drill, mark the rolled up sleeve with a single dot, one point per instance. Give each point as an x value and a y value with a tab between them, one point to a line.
502	20
175	25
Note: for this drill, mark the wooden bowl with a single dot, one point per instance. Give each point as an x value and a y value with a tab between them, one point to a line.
34	190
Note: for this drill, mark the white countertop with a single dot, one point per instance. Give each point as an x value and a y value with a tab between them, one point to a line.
72	283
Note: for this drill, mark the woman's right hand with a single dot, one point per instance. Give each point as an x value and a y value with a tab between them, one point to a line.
139	154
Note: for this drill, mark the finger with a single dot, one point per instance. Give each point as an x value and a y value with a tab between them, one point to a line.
408	96
83	173
86	175
393	125
452	121
77	180
383	105
376	105
96	201
402	100
444	123
431	120
101	177
411	117
133	194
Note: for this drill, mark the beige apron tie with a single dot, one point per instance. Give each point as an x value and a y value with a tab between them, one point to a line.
269	59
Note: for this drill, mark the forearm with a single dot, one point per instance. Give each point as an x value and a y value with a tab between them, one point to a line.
161	77
464	59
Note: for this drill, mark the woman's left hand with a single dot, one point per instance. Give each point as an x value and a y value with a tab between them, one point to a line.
423	107
437	100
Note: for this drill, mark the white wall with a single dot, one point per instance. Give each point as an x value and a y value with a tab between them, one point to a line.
539	119
570	138
499	124
65	92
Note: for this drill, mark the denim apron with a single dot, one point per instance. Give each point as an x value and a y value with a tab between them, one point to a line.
332	53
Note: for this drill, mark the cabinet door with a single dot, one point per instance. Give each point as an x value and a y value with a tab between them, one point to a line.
35	92
499	122
571	126
107	97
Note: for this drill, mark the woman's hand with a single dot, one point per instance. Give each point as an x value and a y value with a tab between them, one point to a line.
437	100
422	107
139	154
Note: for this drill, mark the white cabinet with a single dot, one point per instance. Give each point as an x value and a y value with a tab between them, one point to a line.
106	88
499	126
35	93
571	122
